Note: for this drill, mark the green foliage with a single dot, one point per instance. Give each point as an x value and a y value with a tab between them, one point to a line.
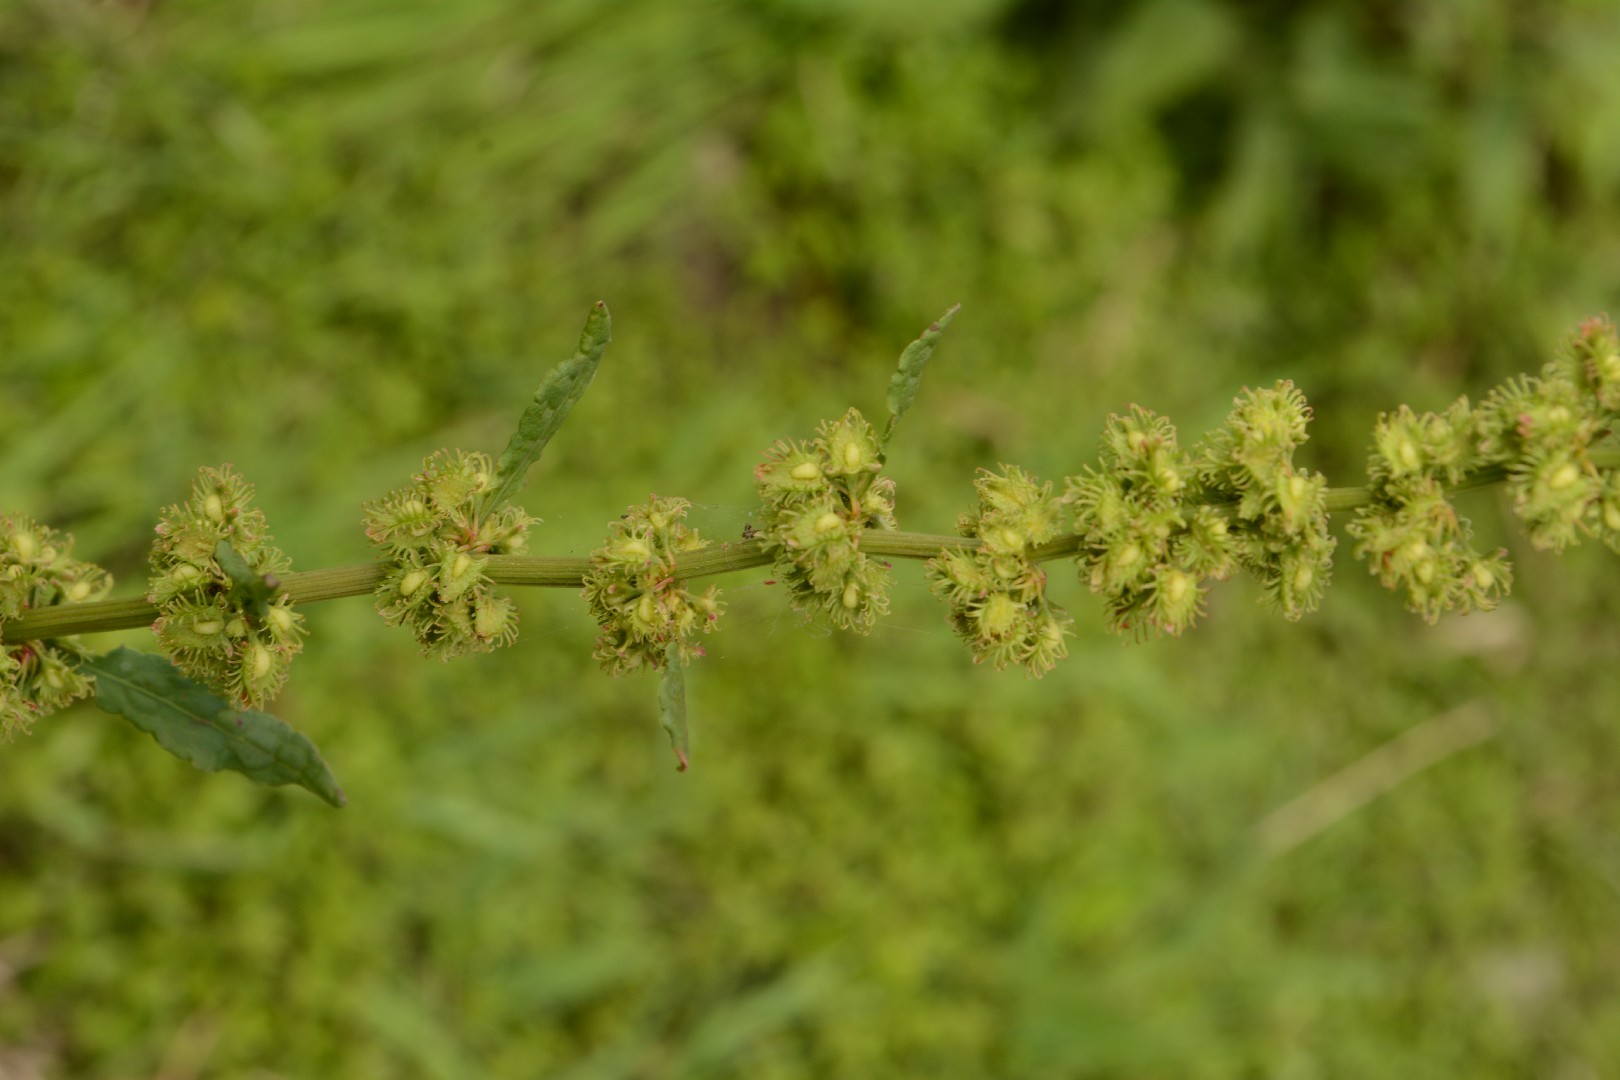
193	724
254	592
320	241
908	373
552	403
672	704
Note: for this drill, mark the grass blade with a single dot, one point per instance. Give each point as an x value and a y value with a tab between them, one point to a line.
552	403
191	723
903	383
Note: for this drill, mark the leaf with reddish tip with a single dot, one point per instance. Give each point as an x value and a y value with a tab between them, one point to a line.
191	723
672	705
903	383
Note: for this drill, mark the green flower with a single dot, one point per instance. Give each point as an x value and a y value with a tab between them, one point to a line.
436	539
634	596
818	500
214	576
37	570
1155	523
996	593
1278	527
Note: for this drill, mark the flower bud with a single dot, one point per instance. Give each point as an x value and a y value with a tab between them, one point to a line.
494	618
849	446
1176	602
458	573
412	581
1299	500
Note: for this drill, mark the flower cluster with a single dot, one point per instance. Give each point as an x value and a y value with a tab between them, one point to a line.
1280	522
436	535
1542	429
1141	546
1150	525
214	576
1538	430
37	570
818	498
633	593
1411	536
996	593
1156	522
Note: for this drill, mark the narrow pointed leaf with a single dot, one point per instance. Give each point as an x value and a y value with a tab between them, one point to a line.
672	704
552	402
191	723
903	383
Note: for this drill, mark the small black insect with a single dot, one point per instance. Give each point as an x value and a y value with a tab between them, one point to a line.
749	532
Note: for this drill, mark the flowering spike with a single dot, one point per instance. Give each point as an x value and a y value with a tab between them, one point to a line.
1150	526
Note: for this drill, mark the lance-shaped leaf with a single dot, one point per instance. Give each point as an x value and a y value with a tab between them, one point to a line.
191	723
672	705
550	407
903	383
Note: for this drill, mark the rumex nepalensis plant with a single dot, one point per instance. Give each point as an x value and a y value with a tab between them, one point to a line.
1148	526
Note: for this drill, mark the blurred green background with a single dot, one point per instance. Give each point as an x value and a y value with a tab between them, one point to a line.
319	240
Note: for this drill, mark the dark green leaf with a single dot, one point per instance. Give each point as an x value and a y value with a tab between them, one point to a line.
672	704
903	383
191	723
550	407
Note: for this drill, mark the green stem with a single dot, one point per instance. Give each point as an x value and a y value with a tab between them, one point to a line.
555	572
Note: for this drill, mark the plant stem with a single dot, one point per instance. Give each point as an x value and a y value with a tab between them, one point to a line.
556	572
